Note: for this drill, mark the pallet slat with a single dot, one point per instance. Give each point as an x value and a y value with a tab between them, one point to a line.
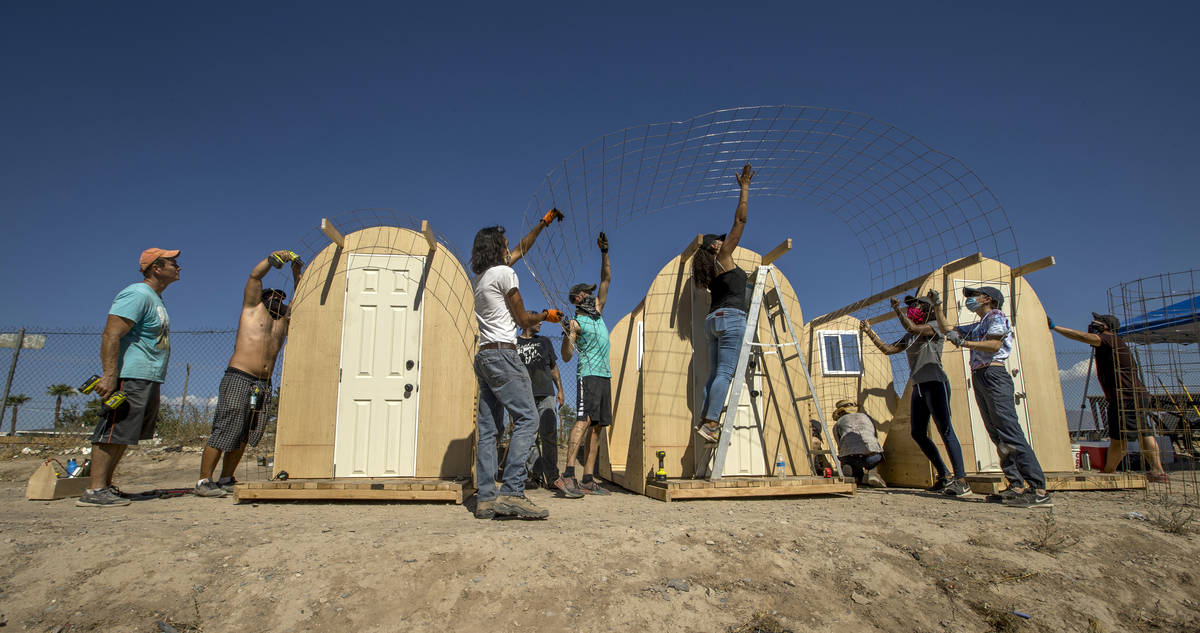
380	489
735	487
1088	480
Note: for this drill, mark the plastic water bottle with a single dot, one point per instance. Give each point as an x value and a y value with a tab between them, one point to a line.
73	469
780	464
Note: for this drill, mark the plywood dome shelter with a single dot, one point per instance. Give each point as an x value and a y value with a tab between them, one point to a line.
377	379
1033	365
659	360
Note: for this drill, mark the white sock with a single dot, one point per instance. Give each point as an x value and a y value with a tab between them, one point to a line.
202	482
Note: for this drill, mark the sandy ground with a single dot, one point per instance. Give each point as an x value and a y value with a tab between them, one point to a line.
895	560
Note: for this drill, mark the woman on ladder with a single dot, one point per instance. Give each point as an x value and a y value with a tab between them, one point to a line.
713	269
931	387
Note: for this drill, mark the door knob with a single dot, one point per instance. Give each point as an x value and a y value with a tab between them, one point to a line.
408	390
409	365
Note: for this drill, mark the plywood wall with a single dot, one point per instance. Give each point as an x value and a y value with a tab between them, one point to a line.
655	408
904	463
304	438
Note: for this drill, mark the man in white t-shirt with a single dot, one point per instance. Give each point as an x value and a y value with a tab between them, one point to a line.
503	380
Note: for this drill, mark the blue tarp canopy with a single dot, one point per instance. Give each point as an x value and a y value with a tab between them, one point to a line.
1176	323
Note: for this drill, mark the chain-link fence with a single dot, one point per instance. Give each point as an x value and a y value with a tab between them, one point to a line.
45	383
44	395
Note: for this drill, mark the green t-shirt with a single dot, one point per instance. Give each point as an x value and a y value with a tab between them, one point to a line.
146	347
592	346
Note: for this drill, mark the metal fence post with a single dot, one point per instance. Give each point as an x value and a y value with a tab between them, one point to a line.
12	369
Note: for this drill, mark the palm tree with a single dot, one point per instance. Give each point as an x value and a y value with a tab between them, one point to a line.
59	391
15	402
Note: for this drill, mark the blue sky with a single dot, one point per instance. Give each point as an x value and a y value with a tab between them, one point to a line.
230	129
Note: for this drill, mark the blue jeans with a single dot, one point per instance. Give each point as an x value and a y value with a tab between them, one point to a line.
724	328
503	384
545	464
994	394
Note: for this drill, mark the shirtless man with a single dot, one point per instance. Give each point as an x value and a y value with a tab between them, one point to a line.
246	387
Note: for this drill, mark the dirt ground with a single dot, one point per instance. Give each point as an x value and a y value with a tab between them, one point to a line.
894	560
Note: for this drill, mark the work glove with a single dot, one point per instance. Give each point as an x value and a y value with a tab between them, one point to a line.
602	242
552	215
954	337
553	316
935	298
1049	322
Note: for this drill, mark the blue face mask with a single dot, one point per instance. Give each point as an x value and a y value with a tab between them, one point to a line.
972	304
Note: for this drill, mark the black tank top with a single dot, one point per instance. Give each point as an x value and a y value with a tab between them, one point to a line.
728	290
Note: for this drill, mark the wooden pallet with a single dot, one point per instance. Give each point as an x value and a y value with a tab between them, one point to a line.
1085	480
740	487
354	489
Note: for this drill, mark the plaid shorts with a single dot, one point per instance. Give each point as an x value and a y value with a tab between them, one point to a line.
236	421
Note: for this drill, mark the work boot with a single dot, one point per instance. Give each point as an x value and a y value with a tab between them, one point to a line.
520	507
873	480
485	509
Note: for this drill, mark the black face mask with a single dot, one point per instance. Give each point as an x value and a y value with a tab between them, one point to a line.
1095	329
587	305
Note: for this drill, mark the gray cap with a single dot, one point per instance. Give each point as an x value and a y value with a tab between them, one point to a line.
994	293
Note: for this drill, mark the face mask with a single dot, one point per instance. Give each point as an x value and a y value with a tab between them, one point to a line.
972	304
1095	329
916	315
587	305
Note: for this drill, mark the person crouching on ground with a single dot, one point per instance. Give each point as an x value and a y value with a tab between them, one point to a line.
134	351
587	334
503	381
1125	395
245	390
930	387
991	341
713	269
858	443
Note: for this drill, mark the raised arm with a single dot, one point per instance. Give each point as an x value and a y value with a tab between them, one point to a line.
887	348
605	272
725	255
922	329
1074	335
526	242
939	315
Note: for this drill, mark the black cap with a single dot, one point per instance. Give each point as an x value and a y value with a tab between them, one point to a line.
1110	321
709	238
578	288
994	293
911	300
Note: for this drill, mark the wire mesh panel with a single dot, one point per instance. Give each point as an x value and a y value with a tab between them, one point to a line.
1160	322
912	207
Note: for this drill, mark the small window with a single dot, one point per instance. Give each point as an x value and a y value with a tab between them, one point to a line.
839	353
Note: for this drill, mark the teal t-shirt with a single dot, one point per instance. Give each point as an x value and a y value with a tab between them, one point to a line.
592	346
146	347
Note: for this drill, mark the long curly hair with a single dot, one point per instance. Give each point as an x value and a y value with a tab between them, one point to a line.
704	267
489	249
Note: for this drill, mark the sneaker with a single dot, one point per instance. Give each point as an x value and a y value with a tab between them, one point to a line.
119	493
209	489
939	484
485	509
520	507
227	486
1002	496
594	488
1030	499
102	498
957	488
569	487
708	433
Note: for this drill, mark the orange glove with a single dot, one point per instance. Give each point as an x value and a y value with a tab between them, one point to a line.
553	316
552	215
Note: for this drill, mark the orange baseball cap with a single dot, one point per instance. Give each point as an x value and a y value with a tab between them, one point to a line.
151	254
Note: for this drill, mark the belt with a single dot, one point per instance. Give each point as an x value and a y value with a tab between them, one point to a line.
993	364
497	346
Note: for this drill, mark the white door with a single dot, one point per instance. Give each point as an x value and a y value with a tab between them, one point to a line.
986	458
378	391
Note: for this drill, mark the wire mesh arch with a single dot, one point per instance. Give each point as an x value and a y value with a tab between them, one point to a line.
911	207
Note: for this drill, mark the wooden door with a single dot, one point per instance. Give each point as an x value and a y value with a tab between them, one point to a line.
379	382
